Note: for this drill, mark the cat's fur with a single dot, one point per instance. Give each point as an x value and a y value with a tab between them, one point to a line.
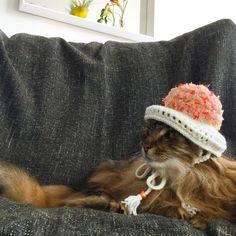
210	187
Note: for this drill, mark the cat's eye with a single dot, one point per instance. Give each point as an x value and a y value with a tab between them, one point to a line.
171	133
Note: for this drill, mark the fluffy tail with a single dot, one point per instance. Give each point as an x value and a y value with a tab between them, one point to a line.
19	186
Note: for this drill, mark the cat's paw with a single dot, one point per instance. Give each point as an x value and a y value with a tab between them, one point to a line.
74	203
118	207
199	223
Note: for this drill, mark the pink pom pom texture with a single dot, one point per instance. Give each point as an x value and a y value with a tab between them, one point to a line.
196	101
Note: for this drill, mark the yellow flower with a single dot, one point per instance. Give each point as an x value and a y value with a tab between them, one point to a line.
80	8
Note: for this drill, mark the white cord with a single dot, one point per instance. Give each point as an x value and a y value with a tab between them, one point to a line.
132	202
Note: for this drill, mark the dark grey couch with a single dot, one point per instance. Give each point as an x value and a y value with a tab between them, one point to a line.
64	107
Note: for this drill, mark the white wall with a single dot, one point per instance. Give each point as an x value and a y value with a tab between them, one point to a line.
175	17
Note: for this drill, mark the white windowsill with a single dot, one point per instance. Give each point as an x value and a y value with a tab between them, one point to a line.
84	23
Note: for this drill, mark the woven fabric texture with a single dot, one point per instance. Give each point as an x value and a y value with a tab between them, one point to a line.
64	107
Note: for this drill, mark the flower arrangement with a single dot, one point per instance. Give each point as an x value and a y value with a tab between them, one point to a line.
80	7
196	101
109	13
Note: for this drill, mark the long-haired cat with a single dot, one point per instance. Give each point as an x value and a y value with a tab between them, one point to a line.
196	192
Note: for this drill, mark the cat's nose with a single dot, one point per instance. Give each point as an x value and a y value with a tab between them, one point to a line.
146	147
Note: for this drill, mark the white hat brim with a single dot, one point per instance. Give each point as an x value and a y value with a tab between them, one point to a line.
200	133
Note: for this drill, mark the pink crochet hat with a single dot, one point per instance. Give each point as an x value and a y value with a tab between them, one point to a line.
195	112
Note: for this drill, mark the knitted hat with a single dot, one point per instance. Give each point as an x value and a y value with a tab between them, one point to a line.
196	113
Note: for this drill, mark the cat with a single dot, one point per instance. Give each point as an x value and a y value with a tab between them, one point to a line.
194	191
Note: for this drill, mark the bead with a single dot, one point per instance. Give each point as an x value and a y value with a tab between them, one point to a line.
143	195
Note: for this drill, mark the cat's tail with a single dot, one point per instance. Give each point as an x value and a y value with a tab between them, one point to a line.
17	185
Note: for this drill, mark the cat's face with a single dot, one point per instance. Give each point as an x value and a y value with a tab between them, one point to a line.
161	143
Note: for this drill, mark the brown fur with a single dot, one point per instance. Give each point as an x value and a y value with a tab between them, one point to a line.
210	186
19	186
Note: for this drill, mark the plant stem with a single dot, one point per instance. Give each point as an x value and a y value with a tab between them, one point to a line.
122	13
113	16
